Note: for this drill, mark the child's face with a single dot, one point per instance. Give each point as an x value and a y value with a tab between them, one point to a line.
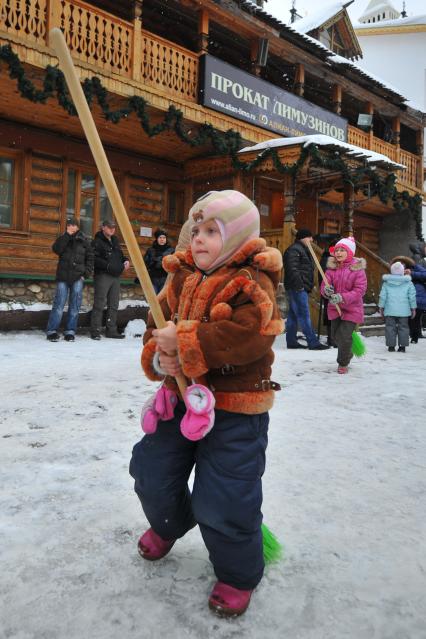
206	244
340	254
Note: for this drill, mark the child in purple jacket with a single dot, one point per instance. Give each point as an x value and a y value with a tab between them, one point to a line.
347	286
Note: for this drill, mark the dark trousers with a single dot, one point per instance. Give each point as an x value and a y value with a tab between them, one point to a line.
341	334
74	293
158	283
396	327
107	291
227	494
416	325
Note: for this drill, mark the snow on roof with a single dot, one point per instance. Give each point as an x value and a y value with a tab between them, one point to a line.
338	59
325	140
399	22
318	17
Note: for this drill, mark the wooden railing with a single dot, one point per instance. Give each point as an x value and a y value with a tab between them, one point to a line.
169	67
376	268
104	41
273	237
410	176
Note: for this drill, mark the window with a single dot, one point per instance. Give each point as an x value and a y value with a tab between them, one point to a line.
176	206
7	183
87	199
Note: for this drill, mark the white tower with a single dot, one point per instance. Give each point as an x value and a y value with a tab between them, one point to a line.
379	10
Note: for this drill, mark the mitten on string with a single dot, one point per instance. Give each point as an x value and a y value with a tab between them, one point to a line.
149	416
165	403
160	406
199	417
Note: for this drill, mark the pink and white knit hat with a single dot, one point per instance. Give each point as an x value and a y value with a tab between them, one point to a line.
236	215
347	243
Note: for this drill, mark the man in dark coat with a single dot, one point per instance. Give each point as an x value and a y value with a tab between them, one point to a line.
109	265
298	283
154	258
75	263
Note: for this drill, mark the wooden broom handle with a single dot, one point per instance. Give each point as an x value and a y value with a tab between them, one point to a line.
323	275
57	41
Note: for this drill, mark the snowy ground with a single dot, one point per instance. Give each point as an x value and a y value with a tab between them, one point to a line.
344	490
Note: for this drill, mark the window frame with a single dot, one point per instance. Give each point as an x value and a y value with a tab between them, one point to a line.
80	169
21	185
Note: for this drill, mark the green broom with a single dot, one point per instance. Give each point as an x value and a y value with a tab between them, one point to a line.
358	346
272	549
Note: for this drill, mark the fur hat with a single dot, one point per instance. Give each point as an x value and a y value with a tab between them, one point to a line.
347	243
397	268
159	232
235	214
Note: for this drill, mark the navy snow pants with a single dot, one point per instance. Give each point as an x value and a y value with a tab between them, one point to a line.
227	494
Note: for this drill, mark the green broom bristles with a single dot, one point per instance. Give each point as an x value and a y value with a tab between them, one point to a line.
358	346
272	549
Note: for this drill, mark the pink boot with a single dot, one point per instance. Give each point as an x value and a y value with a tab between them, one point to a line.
342	370
227	601
152	547
199	417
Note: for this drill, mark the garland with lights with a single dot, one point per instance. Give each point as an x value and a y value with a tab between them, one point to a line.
222	143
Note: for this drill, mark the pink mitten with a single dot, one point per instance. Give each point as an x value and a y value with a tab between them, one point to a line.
199	417
165	403
149	416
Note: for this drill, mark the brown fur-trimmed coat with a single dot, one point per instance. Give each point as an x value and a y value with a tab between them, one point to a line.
226	324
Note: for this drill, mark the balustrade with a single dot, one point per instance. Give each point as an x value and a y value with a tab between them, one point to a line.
104	41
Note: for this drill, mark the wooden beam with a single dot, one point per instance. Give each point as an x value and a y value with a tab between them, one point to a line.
203	30
299	84
337	99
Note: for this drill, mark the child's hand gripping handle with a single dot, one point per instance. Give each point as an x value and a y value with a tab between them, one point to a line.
323	275
57	41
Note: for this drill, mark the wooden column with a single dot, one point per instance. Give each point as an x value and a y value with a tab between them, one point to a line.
53	13
369	108
420	162
203	30
137	41
337	99
289	211
254	52
299	81
348	209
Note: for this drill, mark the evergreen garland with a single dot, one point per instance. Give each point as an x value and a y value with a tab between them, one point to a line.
223	143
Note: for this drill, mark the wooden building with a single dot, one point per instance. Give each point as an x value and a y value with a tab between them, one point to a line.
177	89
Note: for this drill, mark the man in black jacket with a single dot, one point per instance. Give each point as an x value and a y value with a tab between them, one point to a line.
75	263
109	265
298	283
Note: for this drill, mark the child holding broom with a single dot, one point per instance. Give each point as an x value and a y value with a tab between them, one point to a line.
223	319
347	284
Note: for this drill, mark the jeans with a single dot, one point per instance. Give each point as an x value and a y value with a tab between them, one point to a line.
227	494
75	293
158	283
298	314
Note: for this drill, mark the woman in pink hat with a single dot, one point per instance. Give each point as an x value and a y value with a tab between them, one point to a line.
347	284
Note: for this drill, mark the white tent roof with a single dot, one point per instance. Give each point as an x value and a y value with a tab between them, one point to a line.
326	141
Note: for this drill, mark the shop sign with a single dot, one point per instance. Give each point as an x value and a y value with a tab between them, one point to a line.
245	97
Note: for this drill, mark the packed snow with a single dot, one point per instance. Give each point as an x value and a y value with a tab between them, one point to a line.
344	491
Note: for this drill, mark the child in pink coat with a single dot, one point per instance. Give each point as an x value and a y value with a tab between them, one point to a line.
347	284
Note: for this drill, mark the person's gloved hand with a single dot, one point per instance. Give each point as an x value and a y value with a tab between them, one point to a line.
336	298
328	290
413	313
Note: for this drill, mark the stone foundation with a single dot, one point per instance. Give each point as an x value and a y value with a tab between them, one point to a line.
16	291
26	304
